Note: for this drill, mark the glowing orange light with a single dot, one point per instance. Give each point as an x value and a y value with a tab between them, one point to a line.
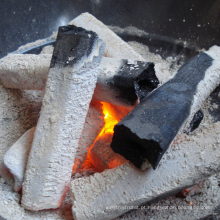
109	118
191	203
112	115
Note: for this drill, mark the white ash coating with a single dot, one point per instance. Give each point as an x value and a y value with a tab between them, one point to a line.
17	115
16	157
98	196
25	71
65	105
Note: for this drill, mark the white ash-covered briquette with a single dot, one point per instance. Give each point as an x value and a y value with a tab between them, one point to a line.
151	127
116	191
15	159
102	156
25	71
115	46
30	71
70	85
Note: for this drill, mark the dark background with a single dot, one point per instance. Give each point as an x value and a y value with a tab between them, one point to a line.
196	21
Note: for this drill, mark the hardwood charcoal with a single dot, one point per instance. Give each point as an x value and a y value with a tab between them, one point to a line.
106	195
149	130
102	156
25	71
115	46
15	159
70	85
124	86
93	125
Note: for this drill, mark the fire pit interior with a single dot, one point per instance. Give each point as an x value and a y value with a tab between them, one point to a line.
71	143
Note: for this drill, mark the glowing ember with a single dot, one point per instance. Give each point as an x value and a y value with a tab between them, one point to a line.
111	118
112	115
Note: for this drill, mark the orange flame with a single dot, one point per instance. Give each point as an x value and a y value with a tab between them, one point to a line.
112	115
109	118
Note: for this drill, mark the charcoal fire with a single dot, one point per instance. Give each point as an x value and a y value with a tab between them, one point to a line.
85	97
100	155
70	85
149	130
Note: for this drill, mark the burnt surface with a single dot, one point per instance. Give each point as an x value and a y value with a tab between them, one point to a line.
146	82
149	129
72	44
129	82
215	100
197	119
134	81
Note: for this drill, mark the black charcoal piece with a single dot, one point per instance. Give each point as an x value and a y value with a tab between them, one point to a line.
194	124
132	81
149	129
76	43
146	82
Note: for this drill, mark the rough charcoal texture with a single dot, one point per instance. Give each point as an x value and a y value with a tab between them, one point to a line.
113	192
146	82
76	43
130	82
67	97
197	119
151	127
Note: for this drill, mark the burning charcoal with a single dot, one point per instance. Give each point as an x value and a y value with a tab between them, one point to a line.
124	84
25	71
196	189
115	46
106	195
148	131
93	125
102	156
16	157
70	85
